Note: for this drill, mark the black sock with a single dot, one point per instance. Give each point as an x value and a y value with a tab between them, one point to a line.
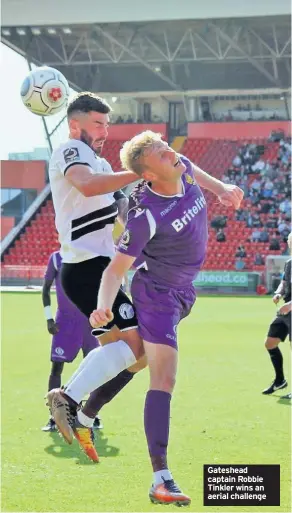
277	361
54	382
55	376
104	394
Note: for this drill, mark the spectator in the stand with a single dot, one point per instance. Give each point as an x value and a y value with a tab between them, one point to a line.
264	237
237	161
265	207
271	222
219	222
254	198
256	221
259	166
271	171
240	252
239	264
268	189
130	119
243	185
284	229
241	214
249	220
256	185
258	259
225	178
285	206
255	236
220	237
274	243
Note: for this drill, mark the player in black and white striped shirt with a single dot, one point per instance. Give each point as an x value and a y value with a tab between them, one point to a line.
83	186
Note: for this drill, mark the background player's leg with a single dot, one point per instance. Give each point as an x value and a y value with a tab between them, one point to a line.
54	382
55	376
109	390
276	357
99	366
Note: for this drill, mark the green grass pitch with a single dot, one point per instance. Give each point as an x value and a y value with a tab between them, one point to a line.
218	414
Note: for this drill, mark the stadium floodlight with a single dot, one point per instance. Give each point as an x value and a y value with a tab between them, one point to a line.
67	30
6	32
157	69
36	31
21	31
52	31
114	99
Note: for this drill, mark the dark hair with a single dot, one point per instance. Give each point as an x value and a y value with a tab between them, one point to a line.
88	102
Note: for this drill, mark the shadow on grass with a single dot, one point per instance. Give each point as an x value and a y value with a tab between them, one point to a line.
60	449
281	399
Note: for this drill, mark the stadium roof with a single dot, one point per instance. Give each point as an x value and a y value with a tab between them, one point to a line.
20	13
139	56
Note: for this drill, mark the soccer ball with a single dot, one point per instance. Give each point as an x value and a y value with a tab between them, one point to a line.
45	91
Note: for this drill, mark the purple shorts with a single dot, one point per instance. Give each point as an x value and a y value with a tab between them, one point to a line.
74	334
160	309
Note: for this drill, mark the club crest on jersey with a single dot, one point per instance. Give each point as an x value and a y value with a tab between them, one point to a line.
139	211
71	154
189	179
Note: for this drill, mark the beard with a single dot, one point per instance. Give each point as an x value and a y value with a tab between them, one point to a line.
87	139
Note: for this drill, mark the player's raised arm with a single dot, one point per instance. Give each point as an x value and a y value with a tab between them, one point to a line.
138	232
89	184
123	205
111	281
228	195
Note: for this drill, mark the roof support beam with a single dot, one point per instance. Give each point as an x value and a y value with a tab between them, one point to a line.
139	59
250	59
57	54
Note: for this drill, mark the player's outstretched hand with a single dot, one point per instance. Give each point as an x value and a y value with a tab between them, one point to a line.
52	326
276	298
100	317
232	196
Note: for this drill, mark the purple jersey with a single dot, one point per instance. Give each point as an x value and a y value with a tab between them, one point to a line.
168	234
53	273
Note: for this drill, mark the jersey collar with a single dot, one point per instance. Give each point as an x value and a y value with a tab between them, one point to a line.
180	195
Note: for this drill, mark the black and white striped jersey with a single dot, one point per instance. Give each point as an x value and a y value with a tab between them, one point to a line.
84	224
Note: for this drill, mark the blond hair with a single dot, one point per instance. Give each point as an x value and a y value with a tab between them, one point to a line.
289	240
133	150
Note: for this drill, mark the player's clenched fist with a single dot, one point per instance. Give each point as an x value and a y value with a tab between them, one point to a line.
101	317
232	196
277	298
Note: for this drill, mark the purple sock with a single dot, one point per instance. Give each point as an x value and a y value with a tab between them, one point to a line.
106	392
156	424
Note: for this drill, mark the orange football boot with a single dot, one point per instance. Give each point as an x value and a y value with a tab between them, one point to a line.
85	437
168	493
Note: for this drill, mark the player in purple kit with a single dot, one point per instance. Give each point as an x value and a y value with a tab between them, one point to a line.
166	237
70	329
167	230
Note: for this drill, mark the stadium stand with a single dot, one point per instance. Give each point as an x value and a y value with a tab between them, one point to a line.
216	156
